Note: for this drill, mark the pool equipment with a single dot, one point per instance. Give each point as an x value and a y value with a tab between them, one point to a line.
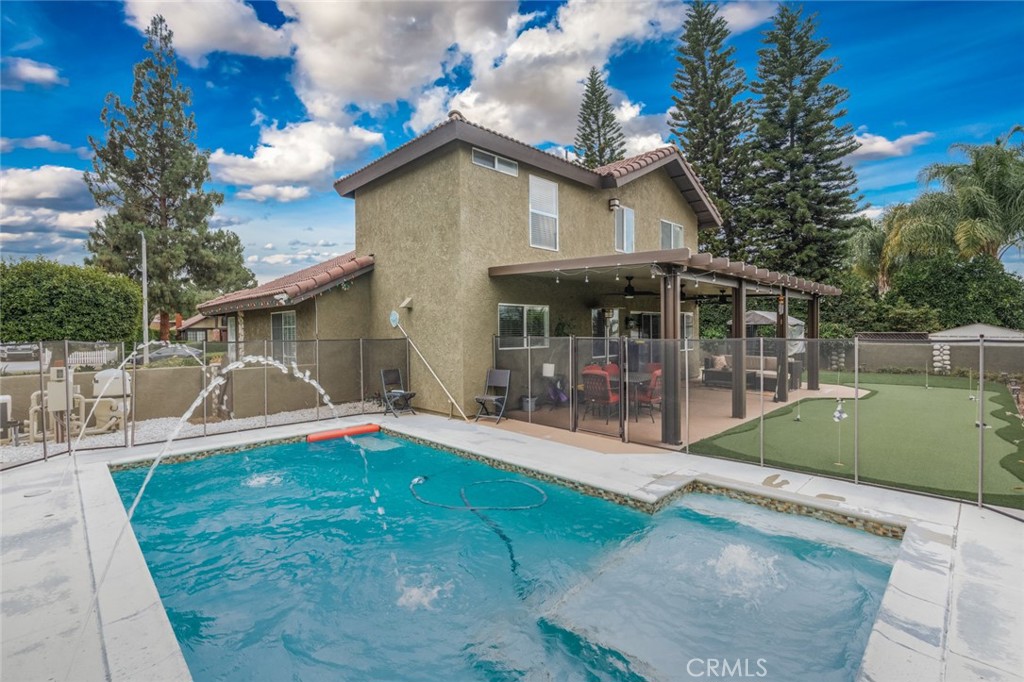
493	525
359	430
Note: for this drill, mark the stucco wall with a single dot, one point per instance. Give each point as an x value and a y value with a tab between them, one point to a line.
337	313
437	225
409	221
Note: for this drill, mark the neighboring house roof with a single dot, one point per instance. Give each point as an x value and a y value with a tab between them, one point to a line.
766	317
457	128
293	288
973	331
892	337
195	320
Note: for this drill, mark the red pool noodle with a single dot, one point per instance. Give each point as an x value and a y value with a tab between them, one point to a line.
341	433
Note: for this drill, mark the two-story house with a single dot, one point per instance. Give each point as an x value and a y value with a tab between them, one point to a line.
471	234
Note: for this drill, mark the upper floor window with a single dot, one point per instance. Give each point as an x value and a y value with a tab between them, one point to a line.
671	235
543	214
494	162
517	323
624	221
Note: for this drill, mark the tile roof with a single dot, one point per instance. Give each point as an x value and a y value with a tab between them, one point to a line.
618	169
456	127
292	288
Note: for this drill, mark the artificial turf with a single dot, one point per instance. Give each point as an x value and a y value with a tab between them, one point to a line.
909	437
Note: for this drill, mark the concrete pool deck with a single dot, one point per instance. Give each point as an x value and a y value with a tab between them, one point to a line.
953	609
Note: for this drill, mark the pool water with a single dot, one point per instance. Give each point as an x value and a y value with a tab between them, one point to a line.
307	562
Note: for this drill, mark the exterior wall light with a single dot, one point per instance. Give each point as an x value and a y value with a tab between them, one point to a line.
613	204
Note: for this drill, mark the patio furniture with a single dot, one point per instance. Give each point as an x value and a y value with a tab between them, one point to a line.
649	395
495	395
396	398
597	392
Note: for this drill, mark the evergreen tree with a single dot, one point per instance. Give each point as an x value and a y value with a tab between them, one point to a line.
599	140
805	196
150	175
711	122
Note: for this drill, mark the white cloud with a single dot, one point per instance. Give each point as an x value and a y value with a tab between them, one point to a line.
643	132
533	92
19	72
298	153
55	187
874	147
743	16
371	54
299	259
268	246
872	212
430	109
280	193
201	27
46	142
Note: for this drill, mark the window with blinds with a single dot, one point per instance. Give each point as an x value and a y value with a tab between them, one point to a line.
671	235
282	336
519	323
543	214
624	231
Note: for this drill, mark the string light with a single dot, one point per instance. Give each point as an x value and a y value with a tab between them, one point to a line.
586	278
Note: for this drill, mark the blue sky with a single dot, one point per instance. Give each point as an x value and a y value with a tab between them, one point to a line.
289	96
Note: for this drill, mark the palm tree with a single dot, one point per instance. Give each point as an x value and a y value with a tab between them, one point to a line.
978	210
871	248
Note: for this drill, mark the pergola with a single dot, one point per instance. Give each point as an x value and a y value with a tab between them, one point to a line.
701	274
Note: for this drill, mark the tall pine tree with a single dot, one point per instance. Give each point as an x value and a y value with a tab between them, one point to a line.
712	122
805	195
599	140
150	174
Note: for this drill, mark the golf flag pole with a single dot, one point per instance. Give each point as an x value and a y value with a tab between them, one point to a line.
395	324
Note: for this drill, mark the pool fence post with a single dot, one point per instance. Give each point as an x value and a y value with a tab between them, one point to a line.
572	382
529	379
205	379
316	369
69	394
266	418
686	390
779	377
981	419
42	389
856	409
135	392
124	399
362	378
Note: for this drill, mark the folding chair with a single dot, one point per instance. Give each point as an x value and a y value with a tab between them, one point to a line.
396	398
495	395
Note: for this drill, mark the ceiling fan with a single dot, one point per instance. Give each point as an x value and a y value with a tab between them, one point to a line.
631	292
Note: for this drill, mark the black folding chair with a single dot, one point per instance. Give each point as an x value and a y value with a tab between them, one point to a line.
492	401
396	398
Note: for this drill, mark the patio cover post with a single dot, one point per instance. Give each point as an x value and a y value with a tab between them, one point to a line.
671	432
739	351
782	352
813	354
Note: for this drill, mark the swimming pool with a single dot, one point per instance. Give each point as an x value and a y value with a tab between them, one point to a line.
303	561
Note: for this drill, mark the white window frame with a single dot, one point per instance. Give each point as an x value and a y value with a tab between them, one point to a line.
625	230
510	166
673	227
287	351
535	178
509	343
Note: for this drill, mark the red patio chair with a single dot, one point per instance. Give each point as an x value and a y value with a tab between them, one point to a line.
597	391
649	396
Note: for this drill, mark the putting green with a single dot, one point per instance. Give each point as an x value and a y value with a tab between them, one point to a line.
909	437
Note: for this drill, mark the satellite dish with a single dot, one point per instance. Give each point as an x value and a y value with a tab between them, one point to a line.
393	318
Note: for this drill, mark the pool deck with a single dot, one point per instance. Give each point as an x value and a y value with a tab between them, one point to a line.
953	609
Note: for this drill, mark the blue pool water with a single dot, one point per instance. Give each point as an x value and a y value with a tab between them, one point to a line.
301	562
